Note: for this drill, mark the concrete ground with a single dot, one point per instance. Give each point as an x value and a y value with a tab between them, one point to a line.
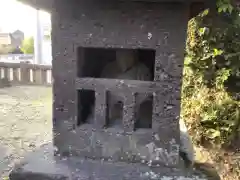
25	122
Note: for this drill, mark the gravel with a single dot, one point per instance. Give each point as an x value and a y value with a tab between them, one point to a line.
25	122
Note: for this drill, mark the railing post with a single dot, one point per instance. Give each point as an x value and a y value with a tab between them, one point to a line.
50	76
16	75
25	73
38	76
6	75
44	76
1	72
9	74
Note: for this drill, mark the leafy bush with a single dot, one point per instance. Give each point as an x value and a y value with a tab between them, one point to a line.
211	85
28	46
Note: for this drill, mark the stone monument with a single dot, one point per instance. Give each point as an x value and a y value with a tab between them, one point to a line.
87	36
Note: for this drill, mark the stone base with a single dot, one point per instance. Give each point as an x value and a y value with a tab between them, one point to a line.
43	165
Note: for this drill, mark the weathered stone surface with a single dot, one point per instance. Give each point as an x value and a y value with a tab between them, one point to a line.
42	165
94	149
131	25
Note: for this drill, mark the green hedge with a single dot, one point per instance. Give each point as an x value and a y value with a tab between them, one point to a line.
211	85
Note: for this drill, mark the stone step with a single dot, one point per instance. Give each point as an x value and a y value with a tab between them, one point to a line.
43	165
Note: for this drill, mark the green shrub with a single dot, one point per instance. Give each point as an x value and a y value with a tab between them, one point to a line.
28	46
211	85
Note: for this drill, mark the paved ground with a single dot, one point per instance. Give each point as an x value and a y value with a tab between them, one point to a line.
25	122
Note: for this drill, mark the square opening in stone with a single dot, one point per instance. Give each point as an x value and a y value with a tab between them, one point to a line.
86	102
144	119
143	112
132	64
115	114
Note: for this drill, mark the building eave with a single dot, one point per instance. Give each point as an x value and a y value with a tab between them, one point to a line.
48	5
45	5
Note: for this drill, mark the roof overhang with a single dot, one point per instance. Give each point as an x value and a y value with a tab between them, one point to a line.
48	5
45	5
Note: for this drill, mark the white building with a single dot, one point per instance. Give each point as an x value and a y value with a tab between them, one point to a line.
43	46
47	44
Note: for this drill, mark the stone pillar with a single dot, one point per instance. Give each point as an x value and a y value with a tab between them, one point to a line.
93	150
119	25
